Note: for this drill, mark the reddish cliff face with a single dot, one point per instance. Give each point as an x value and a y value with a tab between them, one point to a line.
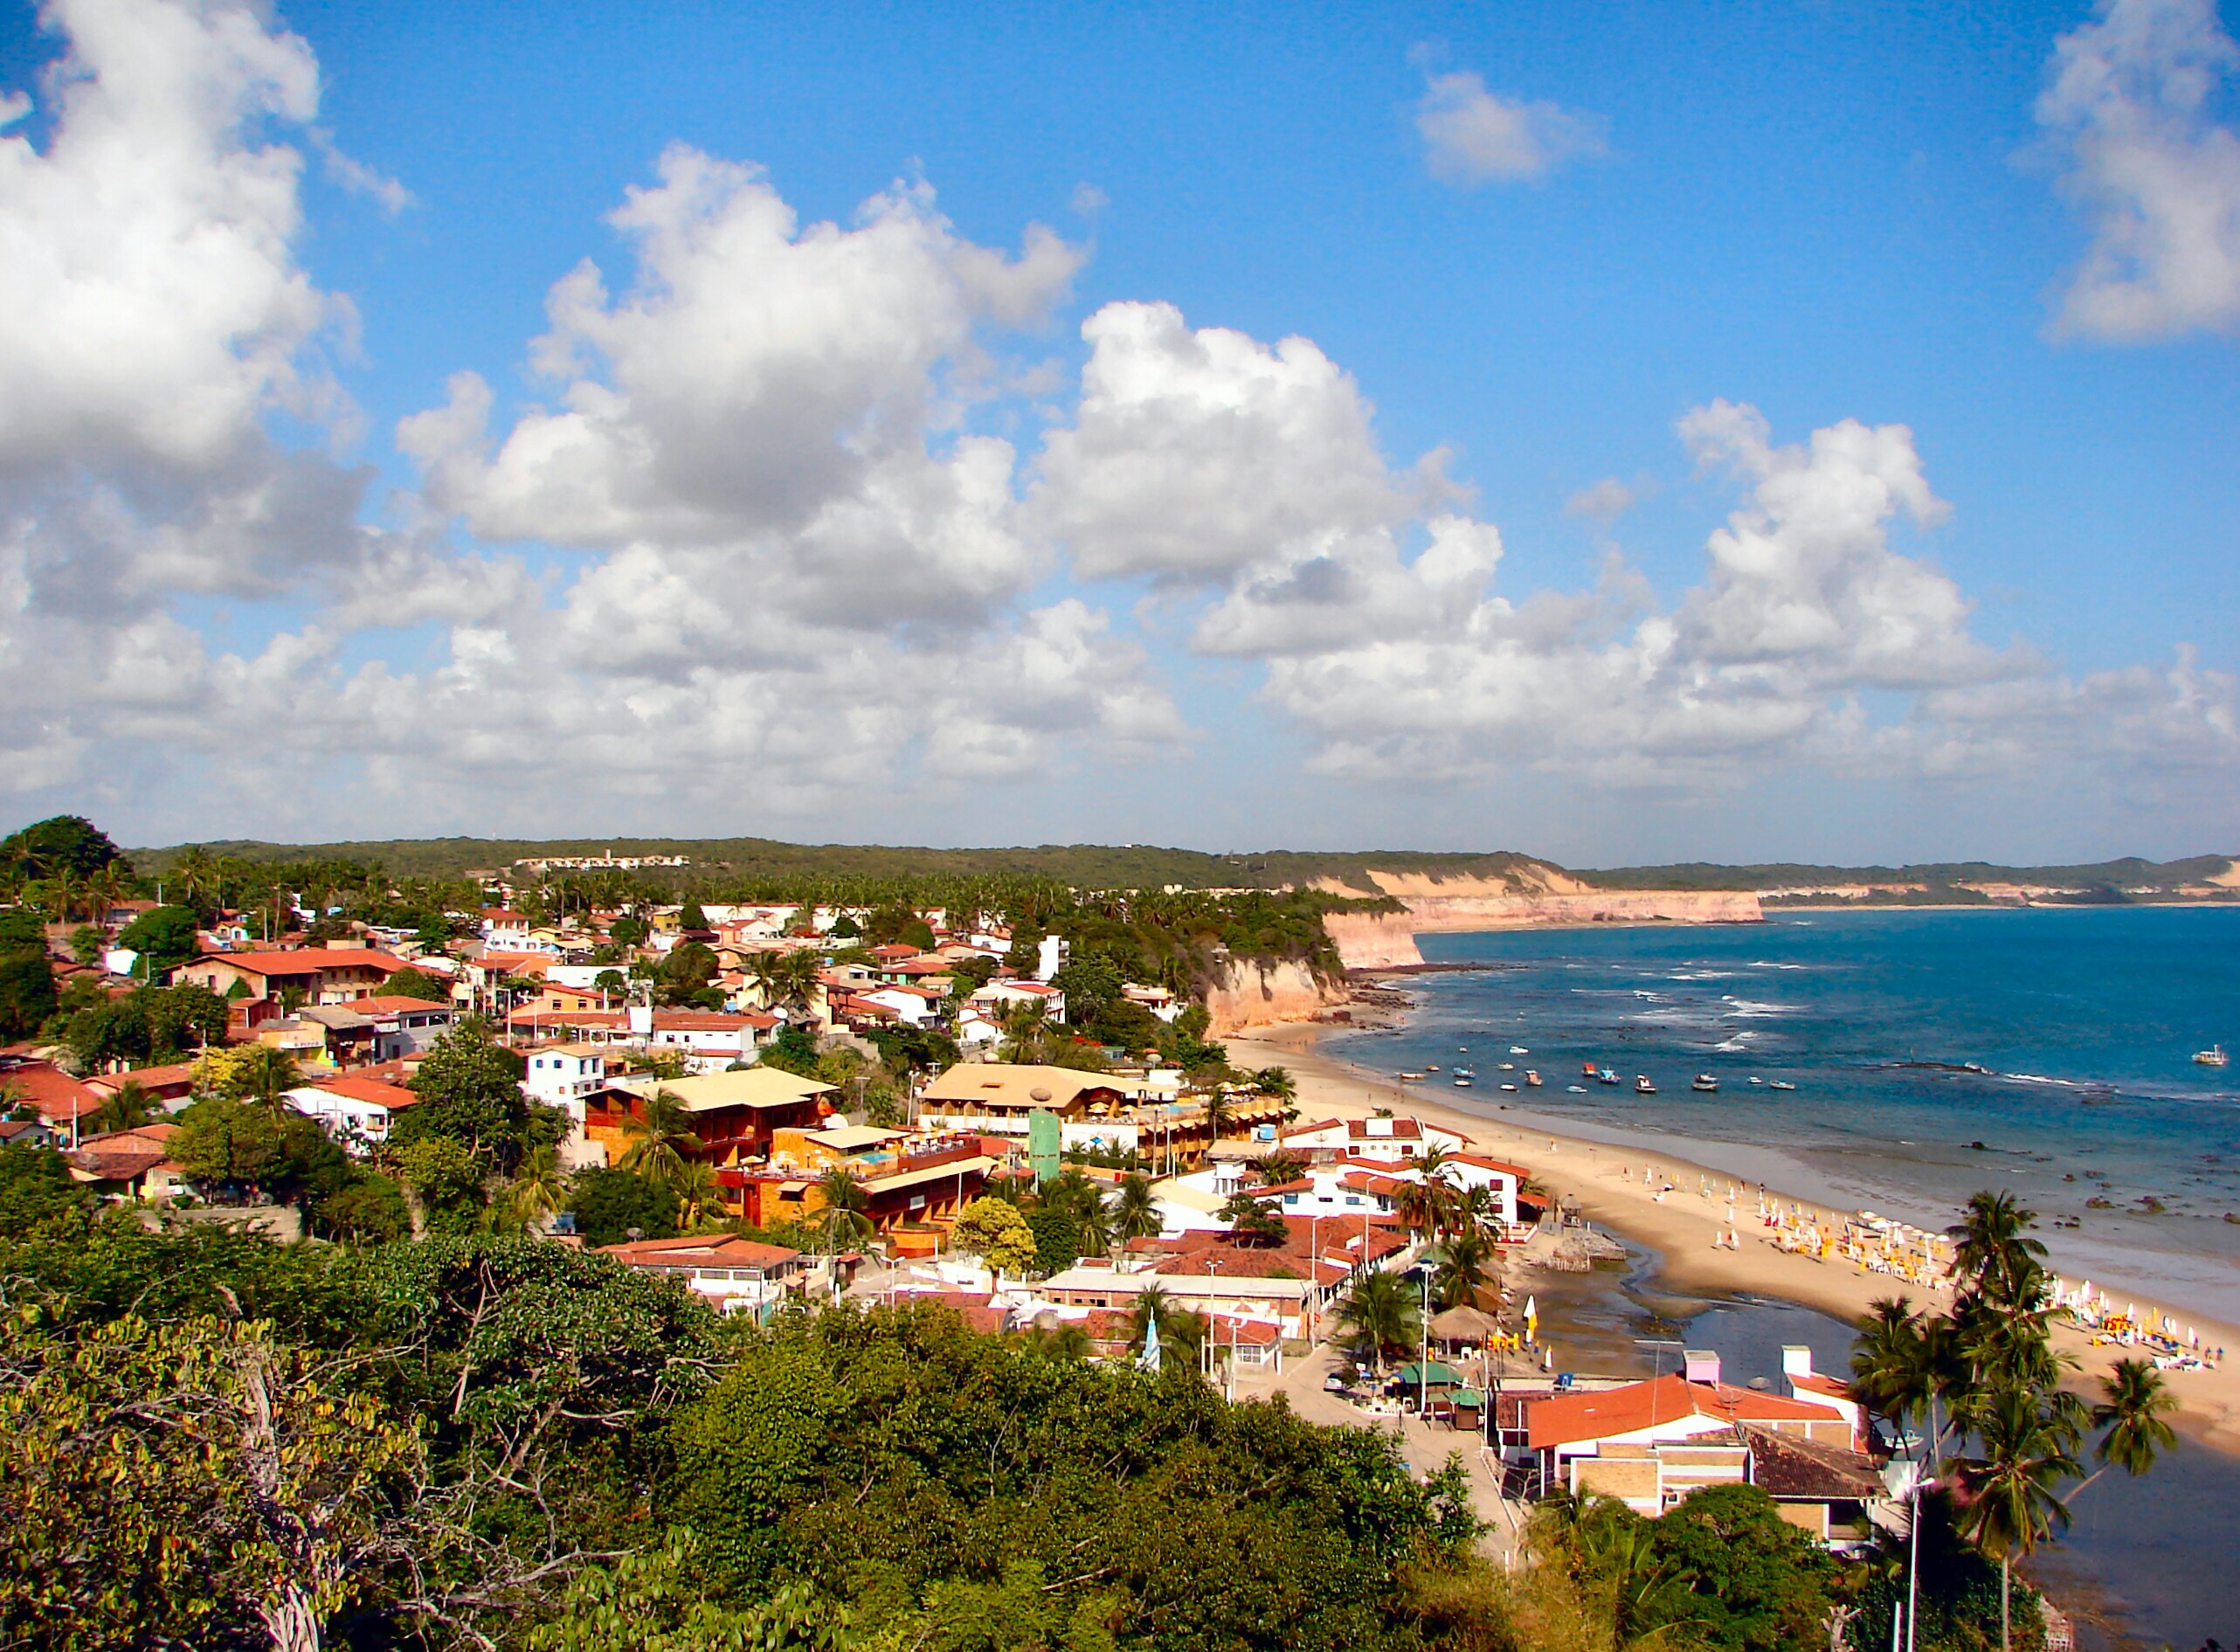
1381	942
1374	940
1257	995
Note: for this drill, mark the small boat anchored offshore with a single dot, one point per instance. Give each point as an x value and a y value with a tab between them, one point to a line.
1705	1082
1606	1076
1780	1084
1532	1077
1641	1086
1462	1083
2213	1056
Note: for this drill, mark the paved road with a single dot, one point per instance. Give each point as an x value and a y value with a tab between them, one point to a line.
1425	1445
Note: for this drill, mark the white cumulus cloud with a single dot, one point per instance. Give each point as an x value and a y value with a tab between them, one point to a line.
1473	136
1193	453
2130	104
800	574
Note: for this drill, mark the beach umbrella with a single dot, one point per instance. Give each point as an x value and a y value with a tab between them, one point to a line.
1531	1318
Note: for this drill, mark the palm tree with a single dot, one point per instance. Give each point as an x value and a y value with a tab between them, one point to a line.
2013	1504
1071	1190
539	1187
1993	1252
265	1075
1890	1372
109	888
1097	1232
196	875
1251	1223
1181	1331
1275	1083
1382	1313
1217	1115
1277	1168
1135	1209
2134	1407
846	1206
1428	1204
660	1136
127	1108
1067	1340
699	1195
1462	1268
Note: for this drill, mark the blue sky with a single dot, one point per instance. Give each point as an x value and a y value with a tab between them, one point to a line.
1833	415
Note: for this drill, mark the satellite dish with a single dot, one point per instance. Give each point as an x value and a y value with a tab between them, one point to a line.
1039	1094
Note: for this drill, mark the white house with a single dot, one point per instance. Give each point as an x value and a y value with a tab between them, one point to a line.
357	1112
916	1006
738	1276
563	1072
977	1028
997	997
1391	1139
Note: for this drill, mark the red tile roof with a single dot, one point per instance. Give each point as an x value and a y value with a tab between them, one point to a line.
371	1090
306	960
58	1096
1570	1418
722	1250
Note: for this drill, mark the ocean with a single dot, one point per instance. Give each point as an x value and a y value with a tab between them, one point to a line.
2082	1023
1933	1052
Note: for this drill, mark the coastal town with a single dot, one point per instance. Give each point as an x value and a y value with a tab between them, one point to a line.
825	1105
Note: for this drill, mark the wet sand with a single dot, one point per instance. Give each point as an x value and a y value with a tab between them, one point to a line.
1680	1226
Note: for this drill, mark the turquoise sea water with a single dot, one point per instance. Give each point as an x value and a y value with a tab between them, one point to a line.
2083	1020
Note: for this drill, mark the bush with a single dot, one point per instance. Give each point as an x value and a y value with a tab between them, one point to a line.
368	1210
607	1204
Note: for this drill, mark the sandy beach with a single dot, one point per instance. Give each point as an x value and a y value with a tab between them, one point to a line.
1681	1227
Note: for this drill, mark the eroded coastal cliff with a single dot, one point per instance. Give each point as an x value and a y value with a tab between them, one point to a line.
1528	896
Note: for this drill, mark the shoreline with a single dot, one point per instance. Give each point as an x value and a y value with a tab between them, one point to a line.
1679	1227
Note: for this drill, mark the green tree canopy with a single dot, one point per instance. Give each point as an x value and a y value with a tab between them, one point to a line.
165	937
225	1141
994	1230
607	1204
62	843
410	983
469	1087
27	996
36	1192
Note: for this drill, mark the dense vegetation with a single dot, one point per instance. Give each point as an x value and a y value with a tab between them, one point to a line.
2097	881
216	1440
753	861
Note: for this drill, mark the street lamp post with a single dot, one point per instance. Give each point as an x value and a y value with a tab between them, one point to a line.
1423	1371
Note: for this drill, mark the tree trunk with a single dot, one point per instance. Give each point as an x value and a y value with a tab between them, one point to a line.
2005	1603
291	1623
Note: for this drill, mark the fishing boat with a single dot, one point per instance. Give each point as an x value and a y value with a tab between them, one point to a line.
1588	1069
1465	1072
2213	1056
1606	1076
1508	1067
1462	1083
1780	1084
1641	1086
1754	1079
1431	1068
1512	1089
1518	1049
1411	1075
1575	1089
1532	1077
1704	1082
